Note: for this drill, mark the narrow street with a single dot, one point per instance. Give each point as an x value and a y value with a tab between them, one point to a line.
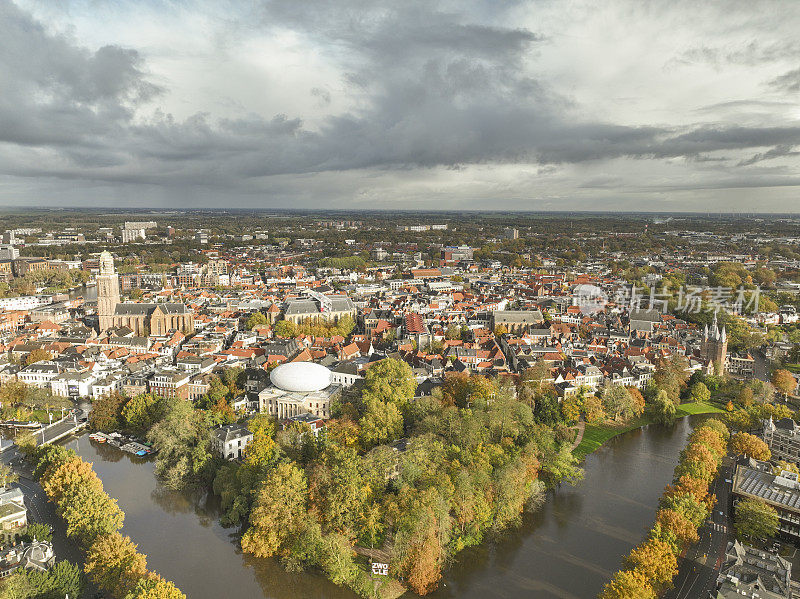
699	568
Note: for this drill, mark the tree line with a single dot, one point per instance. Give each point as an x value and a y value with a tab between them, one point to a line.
94	520
685	504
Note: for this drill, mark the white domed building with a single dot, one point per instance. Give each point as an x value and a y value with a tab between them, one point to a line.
299	388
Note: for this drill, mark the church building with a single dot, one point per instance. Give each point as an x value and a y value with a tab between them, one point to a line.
143	319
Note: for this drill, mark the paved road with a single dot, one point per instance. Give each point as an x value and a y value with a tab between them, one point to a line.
698	570
57	430
41	510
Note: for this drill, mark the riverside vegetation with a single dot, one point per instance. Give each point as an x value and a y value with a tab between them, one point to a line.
684	506
93	521
407	482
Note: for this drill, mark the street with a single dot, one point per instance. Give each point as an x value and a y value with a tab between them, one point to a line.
699	568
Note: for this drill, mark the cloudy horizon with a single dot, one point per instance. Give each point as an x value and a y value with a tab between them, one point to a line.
525	105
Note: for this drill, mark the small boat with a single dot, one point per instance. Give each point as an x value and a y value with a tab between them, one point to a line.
99	437
21	424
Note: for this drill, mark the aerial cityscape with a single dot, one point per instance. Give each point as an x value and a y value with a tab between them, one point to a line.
329	300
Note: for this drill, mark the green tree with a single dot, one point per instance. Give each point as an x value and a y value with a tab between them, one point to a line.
663	408
183	440
142	411
382	422
62	580
38	531
336	486
754	519
7	475
17	586
390	381
256	319
618	403
286	329
698	392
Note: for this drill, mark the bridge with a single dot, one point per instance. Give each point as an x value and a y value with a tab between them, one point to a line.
58	430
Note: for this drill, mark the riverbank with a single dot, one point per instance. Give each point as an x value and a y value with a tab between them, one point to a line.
595	435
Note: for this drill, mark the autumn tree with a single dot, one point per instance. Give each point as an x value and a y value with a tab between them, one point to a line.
153	586
279	509
628	584
784	382
64	478
749	445
656	561
418	542
717	426
114	564
675	529
261	451
754	519
638	398
37	355
89	514
593	409
106	414
14	393
571	409
670	376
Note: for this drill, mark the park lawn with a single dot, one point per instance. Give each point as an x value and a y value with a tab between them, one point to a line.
595	435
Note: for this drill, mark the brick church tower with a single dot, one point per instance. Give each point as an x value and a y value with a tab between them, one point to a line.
714	347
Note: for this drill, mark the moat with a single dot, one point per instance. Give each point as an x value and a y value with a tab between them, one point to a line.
568	549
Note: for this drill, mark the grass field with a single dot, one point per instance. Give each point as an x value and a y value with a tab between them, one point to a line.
595	435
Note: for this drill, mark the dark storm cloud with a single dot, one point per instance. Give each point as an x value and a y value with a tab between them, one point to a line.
441	87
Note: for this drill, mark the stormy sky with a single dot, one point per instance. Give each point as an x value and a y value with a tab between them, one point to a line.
521	105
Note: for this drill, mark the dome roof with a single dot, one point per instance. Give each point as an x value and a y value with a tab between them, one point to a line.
301	376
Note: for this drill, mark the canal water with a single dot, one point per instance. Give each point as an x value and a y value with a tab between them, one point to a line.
566	550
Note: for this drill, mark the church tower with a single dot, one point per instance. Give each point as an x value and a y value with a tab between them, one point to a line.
714	347
107	291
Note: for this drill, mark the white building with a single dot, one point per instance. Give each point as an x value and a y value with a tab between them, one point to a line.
297	388
230	440
39	374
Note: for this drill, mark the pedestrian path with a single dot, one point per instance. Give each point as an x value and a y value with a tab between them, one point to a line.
579	436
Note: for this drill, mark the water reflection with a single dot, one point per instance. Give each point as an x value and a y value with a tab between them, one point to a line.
567	549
